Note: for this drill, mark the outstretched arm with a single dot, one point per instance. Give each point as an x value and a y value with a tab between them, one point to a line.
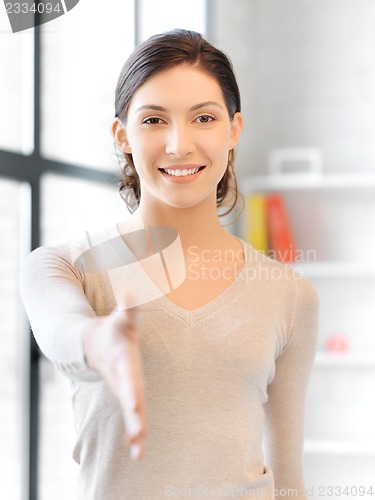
52	291
80	344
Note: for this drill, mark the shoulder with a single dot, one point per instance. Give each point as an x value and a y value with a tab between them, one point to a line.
45	256
282	283
284	301
62	258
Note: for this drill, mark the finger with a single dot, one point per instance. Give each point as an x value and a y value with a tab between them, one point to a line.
137	451
137	446
134	427
129	394
135	434
130	304
129	391
126	317
134	415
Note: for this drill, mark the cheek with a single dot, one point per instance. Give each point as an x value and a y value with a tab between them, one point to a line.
218	147
143	150
219	141
138	143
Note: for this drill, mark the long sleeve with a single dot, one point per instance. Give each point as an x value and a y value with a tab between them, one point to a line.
52	292
285	408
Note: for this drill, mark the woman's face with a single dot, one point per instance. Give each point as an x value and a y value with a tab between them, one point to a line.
179	133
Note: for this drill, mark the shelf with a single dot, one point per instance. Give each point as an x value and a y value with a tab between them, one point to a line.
335	269
316	447
344	360
351	368
278	182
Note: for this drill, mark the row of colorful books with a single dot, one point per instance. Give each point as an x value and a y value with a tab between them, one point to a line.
268	227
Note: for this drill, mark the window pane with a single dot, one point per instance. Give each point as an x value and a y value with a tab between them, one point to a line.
58	471
11	47
69	206
83	53
13	341
164	15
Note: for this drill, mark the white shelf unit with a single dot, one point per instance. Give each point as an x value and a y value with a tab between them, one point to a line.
344	360
335	433
315	447
336	269
281	182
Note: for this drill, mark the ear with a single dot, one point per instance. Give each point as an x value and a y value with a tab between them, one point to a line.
236	127
120	136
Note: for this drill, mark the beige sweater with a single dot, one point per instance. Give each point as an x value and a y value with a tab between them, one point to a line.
225	383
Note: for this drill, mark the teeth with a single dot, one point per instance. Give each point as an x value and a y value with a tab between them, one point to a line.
181	173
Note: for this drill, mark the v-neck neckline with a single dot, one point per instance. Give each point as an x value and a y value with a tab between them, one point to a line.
229	293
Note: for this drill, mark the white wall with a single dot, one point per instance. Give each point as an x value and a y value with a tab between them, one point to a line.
306	70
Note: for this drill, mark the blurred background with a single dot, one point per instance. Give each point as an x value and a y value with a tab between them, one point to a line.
306	71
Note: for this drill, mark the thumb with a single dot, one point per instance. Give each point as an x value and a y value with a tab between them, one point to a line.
126	312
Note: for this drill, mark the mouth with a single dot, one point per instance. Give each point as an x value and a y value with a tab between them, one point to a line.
186	172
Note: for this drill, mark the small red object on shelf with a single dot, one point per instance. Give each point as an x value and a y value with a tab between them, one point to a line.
337	343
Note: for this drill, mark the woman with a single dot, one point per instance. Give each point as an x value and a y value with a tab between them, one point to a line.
199	375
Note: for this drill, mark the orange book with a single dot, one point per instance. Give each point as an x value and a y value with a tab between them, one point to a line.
280	234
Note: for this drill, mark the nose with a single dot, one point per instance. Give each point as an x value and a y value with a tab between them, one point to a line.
180	141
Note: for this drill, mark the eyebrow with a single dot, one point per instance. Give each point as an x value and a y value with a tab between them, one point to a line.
154	107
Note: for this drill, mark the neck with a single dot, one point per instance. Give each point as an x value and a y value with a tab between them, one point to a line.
199	225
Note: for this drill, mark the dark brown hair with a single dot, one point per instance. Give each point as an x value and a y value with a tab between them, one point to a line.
161	52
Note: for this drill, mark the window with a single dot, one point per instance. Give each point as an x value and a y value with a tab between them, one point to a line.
11	88
83	52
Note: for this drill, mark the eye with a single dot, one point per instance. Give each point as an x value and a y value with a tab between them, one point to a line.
153	120
205	119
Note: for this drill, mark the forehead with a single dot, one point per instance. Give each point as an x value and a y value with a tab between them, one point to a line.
181	85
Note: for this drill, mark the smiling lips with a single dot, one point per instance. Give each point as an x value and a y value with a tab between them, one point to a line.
182	173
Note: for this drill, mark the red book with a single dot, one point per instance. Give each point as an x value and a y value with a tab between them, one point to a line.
280	235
